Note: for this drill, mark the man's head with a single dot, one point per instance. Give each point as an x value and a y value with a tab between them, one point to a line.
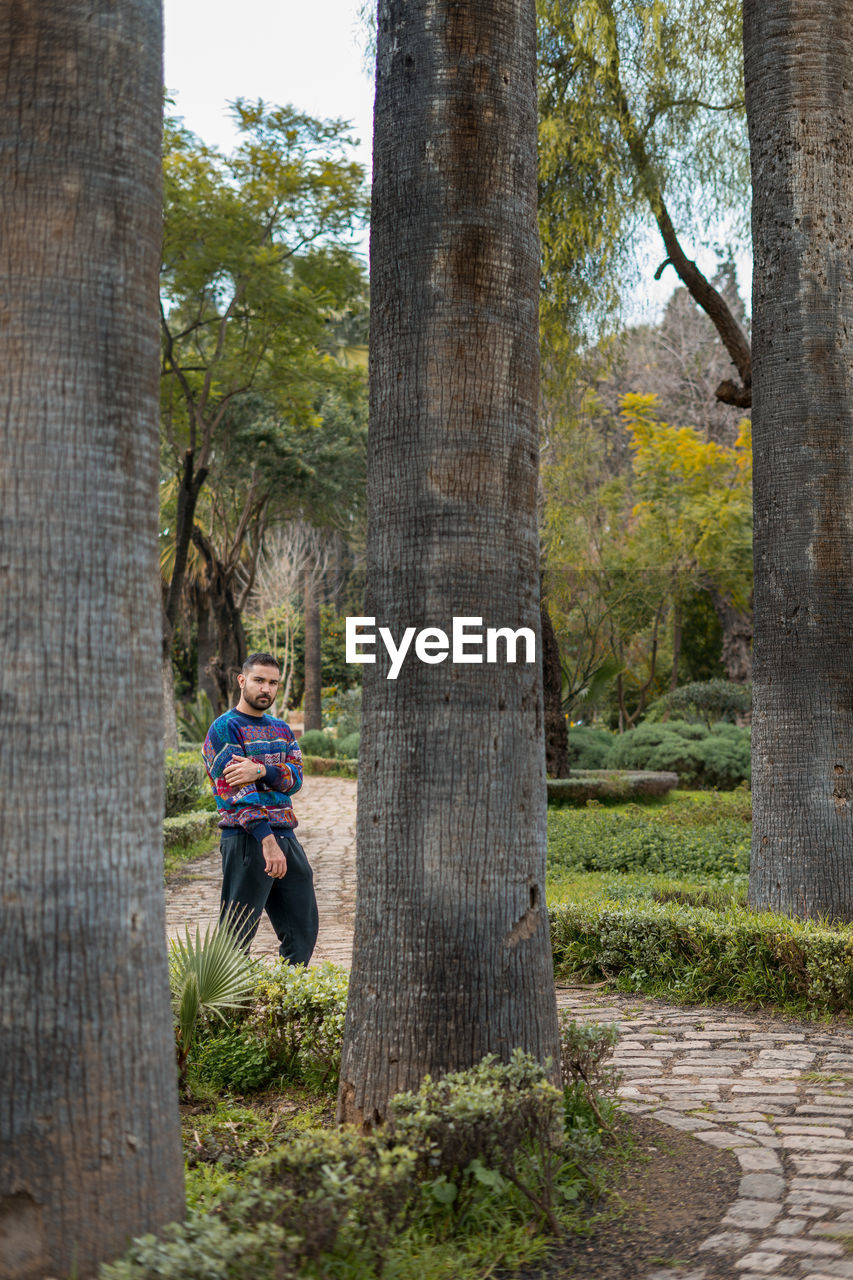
259	681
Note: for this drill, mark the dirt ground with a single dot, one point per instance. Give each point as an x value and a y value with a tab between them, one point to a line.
669	1196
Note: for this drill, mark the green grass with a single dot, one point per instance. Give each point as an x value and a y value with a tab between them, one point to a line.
179	856
652	898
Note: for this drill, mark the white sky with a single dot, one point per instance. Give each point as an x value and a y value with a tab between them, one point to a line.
307	53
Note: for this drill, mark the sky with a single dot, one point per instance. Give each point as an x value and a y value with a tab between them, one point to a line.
304	52
309	53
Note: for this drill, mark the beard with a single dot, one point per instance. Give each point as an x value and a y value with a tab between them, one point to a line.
260	701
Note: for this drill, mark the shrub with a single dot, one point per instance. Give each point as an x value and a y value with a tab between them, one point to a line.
322	765
231	1060
701	954
588	747
186	782
684	749
298	1015
470	1125
726	756
349	712
187	828
602	785
635	839
206	976
334	1202
707	700
348	747
315	742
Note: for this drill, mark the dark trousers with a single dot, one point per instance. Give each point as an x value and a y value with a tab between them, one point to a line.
290	903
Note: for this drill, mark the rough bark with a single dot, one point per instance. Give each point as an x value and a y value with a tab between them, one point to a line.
452	953
736	654
170	711
90	1150
799	95
313	655
205	646
224	625
556	729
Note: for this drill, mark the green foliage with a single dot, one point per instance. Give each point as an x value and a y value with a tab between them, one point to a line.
696	953
195	718
486	1120
636	839
298	1015
337	675
329	767
708	701
230	1136
186	782
348	746
589	748
315	742
348	708
607	786
188	828
719	757
636	100
626	550
231	1059
206	976
338	1202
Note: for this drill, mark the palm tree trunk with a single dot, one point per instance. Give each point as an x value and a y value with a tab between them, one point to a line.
452	953
89	1132
556	729
799	93
313	655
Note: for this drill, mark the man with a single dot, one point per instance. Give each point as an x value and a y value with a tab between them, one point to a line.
254	765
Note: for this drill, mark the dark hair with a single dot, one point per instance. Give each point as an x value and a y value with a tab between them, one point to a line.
260	660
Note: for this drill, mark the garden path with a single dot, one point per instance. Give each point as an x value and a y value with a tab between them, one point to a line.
777	1093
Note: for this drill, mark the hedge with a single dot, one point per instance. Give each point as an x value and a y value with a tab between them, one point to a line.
639	840
186	828
701	954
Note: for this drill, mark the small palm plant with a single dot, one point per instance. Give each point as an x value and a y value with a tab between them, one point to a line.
207	975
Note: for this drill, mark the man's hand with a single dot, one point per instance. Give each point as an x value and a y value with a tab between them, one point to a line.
275	863
239	771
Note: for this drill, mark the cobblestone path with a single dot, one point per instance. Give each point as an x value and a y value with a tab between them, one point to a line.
778	1094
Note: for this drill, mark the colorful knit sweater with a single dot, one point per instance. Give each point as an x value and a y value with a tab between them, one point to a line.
263	804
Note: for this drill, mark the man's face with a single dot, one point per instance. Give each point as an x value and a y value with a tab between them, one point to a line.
259	686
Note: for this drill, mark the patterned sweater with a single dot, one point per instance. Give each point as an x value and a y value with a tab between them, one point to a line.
259	806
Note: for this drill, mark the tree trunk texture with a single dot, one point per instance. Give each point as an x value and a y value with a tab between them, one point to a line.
205	648
90	1150
170	711
799	95
452	956
223	625
556	730
313	654
736	655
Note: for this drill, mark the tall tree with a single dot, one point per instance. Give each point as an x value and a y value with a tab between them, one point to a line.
799	87
452	953
642	118
89	1137
254	272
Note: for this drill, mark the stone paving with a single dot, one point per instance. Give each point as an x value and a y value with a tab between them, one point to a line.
778	1094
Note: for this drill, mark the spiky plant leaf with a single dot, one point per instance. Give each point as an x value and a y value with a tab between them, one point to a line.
208	975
